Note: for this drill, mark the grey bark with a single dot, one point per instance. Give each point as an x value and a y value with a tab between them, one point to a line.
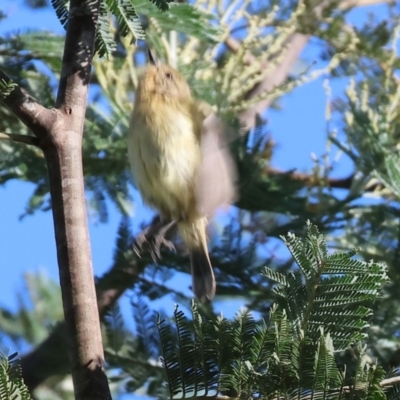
59	133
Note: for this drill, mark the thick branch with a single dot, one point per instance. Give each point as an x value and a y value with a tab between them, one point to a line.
295	45
51	354
63	154
59	133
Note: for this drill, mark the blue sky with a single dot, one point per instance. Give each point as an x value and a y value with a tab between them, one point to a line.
298	129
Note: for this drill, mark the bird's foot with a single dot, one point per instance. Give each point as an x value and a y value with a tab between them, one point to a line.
155	246
154	236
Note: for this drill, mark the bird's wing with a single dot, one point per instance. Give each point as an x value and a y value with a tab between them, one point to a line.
216	184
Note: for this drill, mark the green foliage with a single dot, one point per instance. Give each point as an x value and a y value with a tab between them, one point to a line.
39	309
123	12
364	126
126	351
391	177
11	384
161	4
6	88
146	329
116	331
104	41
128	20
181	17
60	7
322	308
336	288
123	245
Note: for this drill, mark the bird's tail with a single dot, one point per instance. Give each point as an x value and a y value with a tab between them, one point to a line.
203	280
202	275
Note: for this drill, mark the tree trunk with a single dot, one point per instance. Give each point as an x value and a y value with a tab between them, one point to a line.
59	134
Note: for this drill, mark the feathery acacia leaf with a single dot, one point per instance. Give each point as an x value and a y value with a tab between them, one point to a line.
6	88
60	7
183	18
12	385
319	311
161	4
146	329
104	42
333	289
128	20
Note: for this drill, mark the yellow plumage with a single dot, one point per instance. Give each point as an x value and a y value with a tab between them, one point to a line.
166	157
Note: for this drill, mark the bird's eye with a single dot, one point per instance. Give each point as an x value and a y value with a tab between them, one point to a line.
168	75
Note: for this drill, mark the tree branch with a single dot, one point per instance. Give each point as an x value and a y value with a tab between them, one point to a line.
51	354
37	118
59	133
312	181
20	138
63	153
295	45
346	4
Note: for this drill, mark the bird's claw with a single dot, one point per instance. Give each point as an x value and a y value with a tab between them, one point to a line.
154	239
155	246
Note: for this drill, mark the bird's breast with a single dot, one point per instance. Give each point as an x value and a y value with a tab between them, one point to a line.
165	157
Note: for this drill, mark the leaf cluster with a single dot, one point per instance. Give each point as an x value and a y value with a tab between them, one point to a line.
181	17
11	383
320	309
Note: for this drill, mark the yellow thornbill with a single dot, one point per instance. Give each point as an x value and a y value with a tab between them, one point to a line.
179	162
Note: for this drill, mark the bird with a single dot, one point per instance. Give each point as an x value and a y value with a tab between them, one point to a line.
180	162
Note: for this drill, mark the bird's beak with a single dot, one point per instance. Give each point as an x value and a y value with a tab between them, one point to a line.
152	57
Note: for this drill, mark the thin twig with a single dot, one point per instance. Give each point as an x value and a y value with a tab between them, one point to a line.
32	140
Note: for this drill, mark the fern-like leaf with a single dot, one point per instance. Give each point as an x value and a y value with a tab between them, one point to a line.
146	329
327	289
115	330
244	328
293	355
128	20
12	385
105	43
60	7
6	88
161	4
169	358
206	375
181	17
